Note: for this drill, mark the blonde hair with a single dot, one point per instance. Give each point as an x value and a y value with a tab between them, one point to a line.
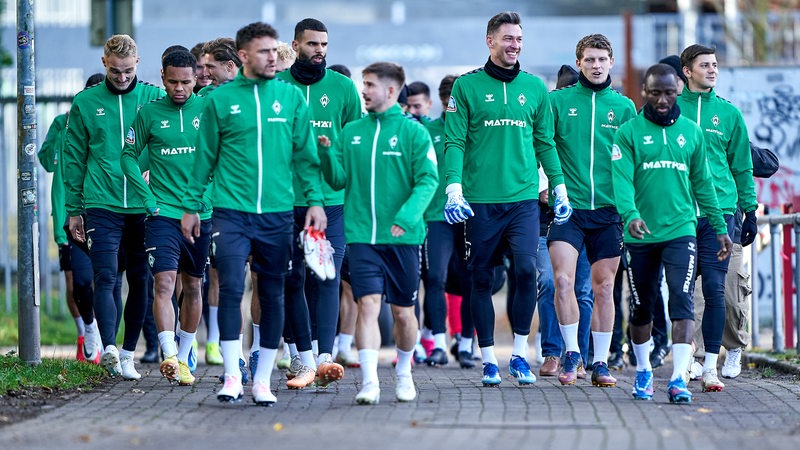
121	45
285	52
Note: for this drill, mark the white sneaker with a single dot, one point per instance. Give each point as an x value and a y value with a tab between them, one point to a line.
710	381
327	257
695	371
110	361
370	394
733	364
313	253
232	390
91	349
405	391
262	396
128	370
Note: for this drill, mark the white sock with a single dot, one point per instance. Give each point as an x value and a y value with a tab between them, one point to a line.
403	366
125	354
642	352
710	362
368	358
293	350
324	357
569	333
427	333
681	356
186	345
256	340
465	345
308	359
266	361
419	336
286	351
440	341
520	346
213	325
537	343
167	341
315	346
487	354
241	347
345	342
80	326
230	356
602	342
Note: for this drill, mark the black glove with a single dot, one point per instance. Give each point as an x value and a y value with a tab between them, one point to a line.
749	228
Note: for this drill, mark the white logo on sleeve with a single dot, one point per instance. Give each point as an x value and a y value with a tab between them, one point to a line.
451	105
616	153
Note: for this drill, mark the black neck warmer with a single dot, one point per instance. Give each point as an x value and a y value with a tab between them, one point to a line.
116	91
307	73
499	73
650	114
595	87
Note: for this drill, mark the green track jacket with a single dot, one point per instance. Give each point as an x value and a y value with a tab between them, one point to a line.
50	155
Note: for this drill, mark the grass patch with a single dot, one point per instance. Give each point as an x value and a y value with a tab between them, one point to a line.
56	374
789	356
768	372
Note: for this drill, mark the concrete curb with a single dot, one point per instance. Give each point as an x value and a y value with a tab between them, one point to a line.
766	361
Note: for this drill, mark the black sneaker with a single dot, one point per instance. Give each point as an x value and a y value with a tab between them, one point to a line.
615	361
454	347
438	358
150	356
657	356
465	360
631	356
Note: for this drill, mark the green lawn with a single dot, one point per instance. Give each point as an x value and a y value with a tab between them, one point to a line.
51	373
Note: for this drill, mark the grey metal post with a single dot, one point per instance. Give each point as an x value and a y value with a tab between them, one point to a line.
796	228
28	227
777	276
754	313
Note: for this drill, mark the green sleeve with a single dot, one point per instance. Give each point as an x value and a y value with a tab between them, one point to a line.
426	179
622	169
703	188
207	152
332	164
129	160
352	110
76	151
740	161
543	143
305	159
53	142
455	132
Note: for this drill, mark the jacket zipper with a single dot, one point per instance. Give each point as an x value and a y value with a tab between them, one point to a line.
122	145
373	238
259	147
591	152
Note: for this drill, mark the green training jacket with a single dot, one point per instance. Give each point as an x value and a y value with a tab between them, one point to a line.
727	147
585	124
50	157
254	137
164	133
97	124
658	172
332	103
435	211
387	167
495	134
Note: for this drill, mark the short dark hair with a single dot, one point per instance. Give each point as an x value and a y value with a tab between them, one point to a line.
675	62
691	52
252	31
94	79
597	41
179	58
308	24
197	50
387	71
659	70
223	50
446	87
341	68
502	18
171	49
418	87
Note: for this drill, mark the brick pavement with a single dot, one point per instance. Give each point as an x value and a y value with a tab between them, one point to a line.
452	411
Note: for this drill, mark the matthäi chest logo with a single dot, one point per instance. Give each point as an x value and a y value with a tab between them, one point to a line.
324	100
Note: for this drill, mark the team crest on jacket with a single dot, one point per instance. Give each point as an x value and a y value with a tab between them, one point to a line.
616	153
276	107
393	142
451	105
611	115
196	123
715	120
130	138
324	100
521	99
681	141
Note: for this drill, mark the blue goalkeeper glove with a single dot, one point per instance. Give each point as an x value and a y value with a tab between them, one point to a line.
456	209
561	208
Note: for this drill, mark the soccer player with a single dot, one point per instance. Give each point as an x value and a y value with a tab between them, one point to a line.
222	63
586	116
499	122
203	78
113	227
164	134
255	137
659	169
387	167
731	166
419	101
333	102
72	259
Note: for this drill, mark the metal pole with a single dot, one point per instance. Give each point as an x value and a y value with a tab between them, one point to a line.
754	313
28	227
4	249
796	228
777	299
